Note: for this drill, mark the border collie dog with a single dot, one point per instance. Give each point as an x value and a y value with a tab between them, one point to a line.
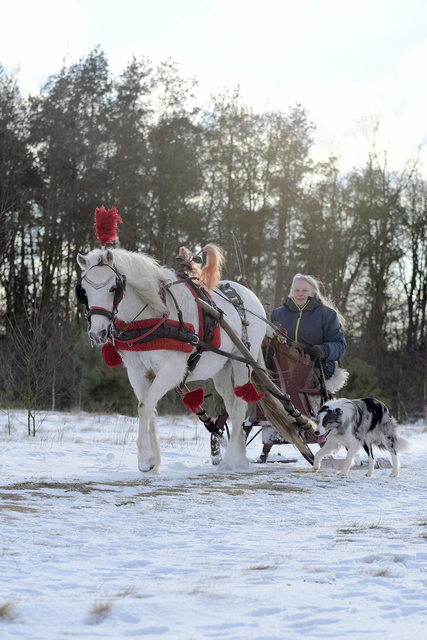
351	423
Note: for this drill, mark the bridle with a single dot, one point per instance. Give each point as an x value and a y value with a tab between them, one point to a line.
119	292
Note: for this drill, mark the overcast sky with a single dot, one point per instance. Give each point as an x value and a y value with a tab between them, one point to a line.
341	60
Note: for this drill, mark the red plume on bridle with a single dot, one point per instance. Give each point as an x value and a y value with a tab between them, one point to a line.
106	225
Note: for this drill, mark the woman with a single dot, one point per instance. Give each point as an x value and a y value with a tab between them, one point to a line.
313	322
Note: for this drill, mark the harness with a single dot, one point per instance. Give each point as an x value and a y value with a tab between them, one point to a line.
151	334
237	301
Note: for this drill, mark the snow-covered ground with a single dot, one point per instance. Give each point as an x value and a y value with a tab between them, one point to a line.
92	548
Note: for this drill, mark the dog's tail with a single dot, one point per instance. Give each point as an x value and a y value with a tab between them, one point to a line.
402	445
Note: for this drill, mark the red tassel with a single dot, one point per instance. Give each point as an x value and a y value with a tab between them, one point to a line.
193	399
112	357
248	393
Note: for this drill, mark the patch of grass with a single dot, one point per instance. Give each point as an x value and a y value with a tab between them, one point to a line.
382	572
421	523
8	612
360	527
376	525
123	593
348	530
11	496
213	485
81	487
99	612
17	507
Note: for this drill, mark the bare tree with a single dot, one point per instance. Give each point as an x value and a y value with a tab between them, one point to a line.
35	362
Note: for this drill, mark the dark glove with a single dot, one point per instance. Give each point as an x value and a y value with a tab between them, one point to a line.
317	352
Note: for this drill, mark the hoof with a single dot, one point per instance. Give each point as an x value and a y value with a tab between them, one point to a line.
216	460
313	470
146	465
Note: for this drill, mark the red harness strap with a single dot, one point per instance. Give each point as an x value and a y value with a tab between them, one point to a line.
110	351
216	334
156	343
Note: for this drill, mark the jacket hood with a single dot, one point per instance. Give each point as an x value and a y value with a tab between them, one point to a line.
312	304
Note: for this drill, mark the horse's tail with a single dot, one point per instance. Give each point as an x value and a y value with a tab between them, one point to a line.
210	274
277	415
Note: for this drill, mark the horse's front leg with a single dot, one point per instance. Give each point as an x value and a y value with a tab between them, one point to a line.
141	377
149	455
166	378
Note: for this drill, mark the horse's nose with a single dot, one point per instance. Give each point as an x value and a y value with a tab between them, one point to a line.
98	337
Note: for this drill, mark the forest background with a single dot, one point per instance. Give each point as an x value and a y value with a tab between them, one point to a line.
181	173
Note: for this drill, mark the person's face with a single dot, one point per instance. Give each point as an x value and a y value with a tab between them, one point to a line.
302	289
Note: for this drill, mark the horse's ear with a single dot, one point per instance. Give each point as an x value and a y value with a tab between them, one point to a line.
82	261
108	257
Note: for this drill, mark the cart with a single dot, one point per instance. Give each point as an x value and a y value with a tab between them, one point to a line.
292	370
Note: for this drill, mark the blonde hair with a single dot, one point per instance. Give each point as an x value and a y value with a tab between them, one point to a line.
315	287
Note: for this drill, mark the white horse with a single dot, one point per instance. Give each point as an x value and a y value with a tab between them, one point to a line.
155	371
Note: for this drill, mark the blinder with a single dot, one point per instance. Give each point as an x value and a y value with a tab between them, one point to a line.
81	295
120	290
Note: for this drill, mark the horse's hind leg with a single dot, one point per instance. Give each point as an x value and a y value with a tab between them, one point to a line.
236	409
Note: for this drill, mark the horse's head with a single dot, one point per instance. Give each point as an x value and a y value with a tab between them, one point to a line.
101	289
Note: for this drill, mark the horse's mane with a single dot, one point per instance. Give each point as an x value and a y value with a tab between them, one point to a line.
143	273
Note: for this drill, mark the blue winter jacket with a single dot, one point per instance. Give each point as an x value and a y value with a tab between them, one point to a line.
313	324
